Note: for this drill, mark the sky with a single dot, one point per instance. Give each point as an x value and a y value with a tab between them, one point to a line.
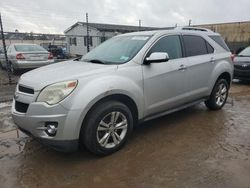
55	16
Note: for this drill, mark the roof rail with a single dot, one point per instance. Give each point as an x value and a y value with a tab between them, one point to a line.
194	29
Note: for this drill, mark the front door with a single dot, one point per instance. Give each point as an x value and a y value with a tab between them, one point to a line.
165	82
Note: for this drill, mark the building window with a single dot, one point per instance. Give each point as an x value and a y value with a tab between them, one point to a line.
90	41
103	39
72	41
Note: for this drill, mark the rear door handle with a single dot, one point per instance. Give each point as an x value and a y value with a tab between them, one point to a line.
212	59
182	68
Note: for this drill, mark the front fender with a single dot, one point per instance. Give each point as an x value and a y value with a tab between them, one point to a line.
88	94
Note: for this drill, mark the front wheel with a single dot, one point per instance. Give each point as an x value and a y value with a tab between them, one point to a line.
218	96
107	128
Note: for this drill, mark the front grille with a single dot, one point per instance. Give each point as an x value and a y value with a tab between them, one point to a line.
21	107
242	67
26	89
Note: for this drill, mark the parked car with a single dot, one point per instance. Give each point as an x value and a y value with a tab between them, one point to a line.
58	51
128	79
242	65
26	56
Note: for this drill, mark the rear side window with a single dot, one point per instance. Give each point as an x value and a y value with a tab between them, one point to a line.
219	40
195	45
169	44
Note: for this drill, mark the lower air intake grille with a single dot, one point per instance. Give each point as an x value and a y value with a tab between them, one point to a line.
21	107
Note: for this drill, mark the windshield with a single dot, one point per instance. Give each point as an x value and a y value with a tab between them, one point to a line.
245	52
117	50
28	48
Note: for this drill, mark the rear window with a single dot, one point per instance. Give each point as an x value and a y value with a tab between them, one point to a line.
28	48
219	40
194	45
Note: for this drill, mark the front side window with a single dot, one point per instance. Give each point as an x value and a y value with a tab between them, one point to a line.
169	44
194	45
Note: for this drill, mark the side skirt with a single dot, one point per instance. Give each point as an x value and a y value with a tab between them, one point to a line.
160	114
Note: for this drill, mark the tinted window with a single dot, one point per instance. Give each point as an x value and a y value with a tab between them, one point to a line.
169	44
210	49
194	45
219	40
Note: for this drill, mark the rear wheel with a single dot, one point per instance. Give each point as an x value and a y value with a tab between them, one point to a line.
107	128
218	96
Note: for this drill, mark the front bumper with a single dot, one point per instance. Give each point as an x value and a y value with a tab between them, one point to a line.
58	145
242	74
33	122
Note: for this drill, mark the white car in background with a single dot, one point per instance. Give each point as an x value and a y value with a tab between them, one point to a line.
26	56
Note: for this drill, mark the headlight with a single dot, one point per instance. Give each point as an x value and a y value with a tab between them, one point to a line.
55	93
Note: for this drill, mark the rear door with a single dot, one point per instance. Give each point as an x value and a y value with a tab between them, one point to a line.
165	82
200	64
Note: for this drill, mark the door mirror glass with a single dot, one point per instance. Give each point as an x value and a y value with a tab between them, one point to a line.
157	57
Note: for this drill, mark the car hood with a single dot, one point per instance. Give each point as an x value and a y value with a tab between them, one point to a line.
63	71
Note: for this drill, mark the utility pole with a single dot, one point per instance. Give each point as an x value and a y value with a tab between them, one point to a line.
5	51
87	23
139	25
190	22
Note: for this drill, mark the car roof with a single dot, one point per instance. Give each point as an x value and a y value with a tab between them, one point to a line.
177	30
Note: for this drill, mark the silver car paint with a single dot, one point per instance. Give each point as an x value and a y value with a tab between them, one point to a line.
28	63
153	88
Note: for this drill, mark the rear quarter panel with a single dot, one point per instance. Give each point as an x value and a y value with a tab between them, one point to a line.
223	63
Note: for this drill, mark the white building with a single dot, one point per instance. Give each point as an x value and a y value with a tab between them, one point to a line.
76	35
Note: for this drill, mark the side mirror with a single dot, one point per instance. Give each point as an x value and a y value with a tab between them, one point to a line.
157	57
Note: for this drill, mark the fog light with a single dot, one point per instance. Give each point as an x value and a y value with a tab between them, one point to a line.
51	128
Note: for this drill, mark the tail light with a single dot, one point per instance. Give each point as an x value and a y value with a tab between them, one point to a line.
50	56
20	56
232	57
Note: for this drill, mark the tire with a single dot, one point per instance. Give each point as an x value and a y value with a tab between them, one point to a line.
99	134
218	96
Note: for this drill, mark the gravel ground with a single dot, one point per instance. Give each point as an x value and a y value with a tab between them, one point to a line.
191	148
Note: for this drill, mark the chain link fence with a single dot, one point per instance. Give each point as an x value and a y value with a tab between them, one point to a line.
63	47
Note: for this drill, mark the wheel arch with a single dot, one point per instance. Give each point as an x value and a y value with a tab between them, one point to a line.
125	99
226	76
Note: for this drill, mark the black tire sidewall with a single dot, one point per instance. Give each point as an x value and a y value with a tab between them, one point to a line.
211	103
93	120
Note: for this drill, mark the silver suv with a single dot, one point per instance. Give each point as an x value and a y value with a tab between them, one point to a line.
131	78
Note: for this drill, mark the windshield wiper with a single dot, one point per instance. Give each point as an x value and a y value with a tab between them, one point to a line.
98	61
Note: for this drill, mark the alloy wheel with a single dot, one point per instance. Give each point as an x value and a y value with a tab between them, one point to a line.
221	94
112	129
